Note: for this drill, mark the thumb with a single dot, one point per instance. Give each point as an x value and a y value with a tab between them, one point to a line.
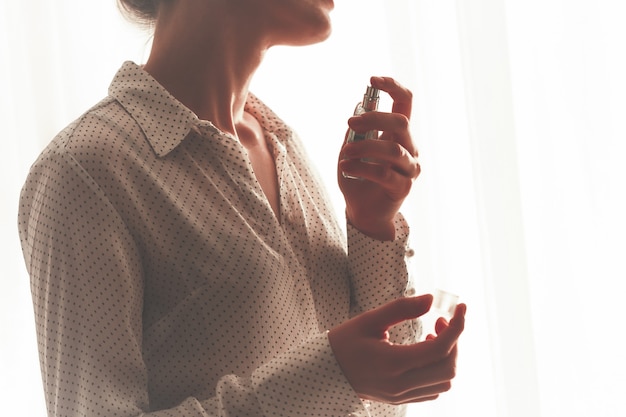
382	318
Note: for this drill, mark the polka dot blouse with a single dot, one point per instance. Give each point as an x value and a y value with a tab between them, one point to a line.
163	282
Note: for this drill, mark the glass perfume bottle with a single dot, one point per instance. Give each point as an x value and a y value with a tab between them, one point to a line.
444	304
370	102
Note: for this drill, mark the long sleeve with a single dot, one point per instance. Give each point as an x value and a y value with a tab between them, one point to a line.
164	284
86	283
379	269
88	290
380	273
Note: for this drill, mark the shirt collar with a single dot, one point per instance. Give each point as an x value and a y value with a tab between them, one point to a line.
164	120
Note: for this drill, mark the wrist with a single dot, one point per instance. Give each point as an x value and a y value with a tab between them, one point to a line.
374	228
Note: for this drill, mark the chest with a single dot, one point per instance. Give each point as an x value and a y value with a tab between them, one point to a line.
264	168
211	237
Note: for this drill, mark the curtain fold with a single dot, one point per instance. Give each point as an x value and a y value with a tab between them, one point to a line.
519	117
568	61
490	108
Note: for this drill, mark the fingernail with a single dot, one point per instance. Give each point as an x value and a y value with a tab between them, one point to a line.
355	120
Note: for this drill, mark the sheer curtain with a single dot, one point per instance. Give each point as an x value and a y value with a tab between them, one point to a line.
519	117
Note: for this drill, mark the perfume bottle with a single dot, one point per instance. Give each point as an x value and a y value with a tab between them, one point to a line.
369	103
444	304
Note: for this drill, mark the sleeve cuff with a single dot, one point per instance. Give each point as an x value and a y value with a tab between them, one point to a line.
379	270
380	273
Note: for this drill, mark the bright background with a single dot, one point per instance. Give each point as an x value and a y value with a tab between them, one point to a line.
520	117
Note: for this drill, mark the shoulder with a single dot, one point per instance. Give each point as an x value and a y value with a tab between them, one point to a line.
106	127
81	153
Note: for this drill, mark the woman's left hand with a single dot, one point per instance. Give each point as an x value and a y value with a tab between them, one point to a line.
389	169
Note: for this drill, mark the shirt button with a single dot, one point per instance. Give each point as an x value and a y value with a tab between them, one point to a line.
409	253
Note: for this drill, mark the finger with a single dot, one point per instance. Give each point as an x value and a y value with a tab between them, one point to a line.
423	382
450	334
423	399
394	128
402	97
421	355
413	396
441	324
422	394
395	185
382	318
434	376
435	373
391	153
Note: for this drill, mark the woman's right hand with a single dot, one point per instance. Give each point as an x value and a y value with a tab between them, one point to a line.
382	371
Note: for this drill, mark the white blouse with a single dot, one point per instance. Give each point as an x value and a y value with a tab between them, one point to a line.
164	284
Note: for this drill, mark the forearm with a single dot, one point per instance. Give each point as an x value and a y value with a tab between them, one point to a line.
380	273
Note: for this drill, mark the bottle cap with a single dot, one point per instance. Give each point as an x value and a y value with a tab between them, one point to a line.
445	302
372	93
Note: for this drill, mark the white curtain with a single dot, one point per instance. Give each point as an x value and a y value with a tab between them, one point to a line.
520	117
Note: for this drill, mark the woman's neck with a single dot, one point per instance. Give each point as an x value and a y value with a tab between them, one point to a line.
207	64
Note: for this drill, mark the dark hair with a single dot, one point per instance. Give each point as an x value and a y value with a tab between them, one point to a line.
143	12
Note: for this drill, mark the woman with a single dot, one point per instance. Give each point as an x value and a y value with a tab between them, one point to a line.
184	260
